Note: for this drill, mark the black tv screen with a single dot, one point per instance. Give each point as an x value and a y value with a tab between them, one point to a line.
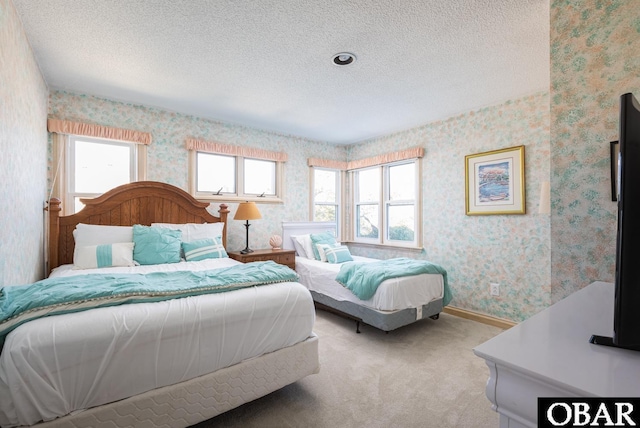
626	322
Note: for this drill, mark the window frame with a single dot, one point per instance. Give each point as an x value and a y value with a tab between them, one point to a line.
239	195
357	203
339	204
384	202
64	156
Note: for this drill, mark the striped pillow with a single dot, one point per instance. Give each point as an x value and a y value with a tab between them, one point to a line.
204	249
338	254
106	255
322	249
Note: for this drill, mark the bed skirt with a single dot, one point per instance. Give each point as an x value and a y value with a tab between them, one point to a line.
196	400
383	320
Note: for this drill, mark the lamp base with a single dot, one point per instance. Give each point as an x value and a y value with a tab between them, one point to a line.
246	247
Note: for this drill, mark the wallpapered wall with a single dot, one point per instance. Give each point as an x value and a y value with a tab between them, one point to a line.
512	250
23	162
472	249
595	57
167	156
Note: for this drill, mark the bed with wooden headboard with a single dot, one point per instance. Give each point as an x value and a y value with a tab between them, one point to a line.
142	202
176	404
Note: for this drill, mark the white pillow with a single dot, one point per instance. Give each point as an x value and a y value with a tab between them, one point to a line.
86	235
299	248
304	241
195	231
104	255
95	234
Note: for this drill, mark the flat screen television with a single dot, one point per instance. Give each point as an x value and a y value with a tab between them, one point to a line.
626	318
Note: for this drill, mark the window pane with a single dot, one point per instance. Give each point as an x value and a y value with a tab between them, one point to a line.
100	167
324	183
77	204
368	225
402	182
216	173
401	222
259	177
368	185
325	213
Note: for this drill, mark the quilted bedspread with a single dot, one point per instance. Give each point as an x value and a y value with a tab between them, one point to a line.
55	296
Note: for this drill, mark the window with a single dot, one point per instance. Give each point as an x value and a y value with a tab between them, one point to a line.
234	177
216	174
385	204
367	204
400	202
326	196
95	166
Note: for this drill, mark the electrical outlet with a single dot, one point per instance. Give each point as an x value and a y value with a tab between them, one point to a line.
494	288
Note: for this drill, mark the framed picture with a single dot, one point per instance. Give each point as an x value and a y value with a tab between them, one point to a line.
615	185
494	182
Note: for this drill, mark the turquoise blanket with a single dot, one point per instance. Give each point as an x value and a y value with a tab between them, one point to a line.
55	296
363	279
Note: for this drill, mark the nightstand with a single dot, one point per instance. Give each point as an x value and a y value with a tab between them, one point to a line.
284	257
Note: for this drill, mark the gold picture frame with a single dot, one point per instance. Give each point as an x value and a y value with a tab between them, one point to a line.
494	182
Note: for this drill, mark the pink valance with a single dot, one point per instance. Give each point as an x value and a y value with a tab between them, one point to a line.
412	153
91	130
327	163
227	149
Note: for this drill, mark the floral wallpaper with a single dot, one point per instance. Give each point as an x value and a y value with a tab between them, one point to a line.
168	157
512	250
536	258
23	163
473	255
472	249
595	58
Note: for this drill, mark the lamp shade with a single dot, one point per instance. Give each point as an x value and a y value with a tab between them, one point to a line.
247	211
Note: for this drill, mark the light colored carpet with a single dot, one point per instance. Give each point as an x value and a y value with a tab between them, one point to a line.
421	375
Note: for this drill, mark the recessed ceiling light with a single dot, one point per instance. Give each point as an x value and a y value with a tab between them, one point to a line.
344	58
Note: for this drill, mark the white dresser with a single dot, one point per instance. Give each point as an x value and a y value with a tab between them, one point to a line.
549	355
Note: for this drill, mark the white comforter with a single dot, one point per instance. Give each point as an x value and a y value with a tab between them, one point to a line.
393	294
56	365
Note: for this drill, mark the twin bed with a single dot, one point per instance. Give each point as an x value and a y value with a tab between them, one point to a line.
170	363
396	303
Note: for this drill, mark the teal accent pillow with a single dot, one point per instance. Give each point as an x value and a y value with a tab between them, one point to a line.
338	254
321	238
155	245
204	249
322	248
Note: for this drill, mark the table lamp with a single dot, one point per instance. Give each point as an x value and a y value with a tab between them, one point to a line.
247	211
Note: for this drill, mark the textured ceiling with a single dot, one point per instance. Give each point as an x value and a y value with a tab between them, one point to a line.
267	63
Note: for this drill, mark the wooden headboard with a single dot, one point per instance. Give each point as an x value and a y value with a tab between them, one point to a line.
142	202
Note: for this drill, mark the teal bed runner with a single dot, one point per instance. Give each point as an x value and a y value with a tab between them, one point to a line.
55	296
363	279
